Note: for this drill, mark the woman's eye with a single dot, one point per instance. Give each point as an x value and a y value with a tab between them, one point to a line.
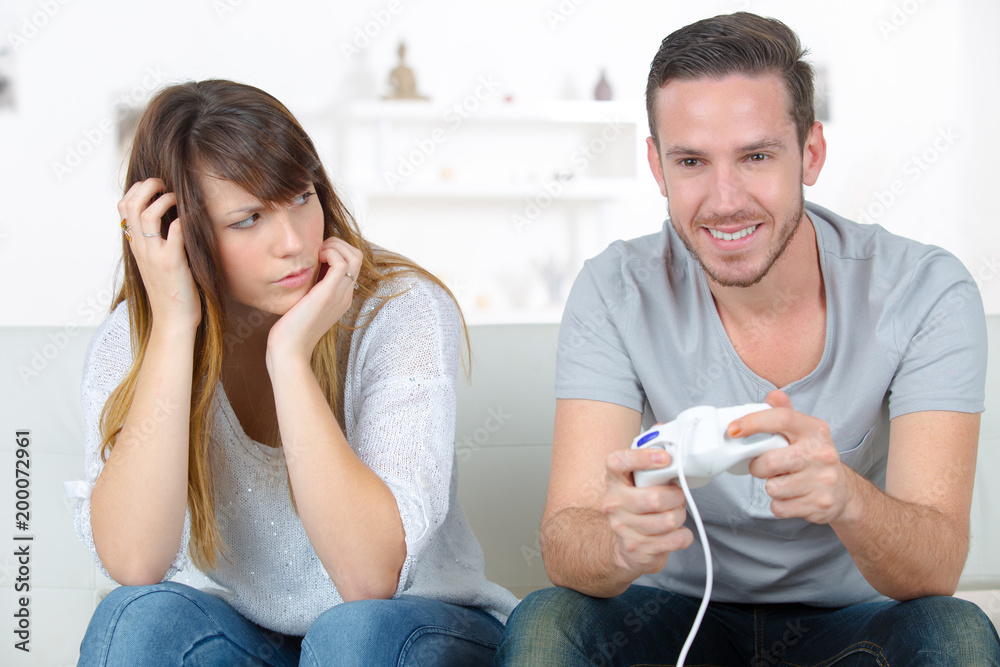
246	223
302	198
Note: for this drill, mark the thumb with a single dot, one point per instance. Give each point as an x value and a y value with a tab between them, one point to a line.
175	233
778	399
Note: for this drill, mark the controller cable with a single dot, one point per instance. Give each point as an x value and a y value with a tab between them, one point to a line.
704	545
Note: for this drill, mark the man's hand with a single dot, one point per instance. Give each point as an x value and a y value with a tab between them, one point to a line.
806	479
648	522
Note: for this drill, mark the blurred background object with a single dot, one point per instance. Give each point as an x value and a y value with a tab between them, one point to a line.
510	166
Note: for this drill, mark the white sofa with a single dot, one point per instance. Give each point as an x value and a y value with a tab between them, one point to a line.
503	439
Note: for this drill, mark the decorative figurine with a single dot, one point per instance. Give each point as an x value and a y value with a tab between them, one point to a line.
603	90
402	80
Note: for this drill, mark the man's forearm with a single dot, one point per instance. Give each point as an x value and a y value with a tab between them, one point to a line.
579	550
904	550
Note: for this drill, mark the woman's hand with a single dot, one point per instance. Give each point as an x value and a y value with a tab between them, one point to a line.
299	330
162	264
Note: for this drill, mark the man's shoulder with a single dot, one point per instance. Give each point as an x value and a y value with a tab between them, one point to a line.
854	240
887	255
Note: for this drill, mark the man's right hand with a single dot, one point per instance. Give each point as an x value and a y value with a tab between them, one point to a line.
648	522
599	532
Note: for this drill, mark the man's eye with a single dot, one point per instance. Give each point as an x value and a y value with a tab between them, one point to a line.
689	162
758	157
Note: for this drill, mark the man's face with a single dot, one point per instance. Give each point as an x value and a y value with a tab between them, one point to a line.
732	170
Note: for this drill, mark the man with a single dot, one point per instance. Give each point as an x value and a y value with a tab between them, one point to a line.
843	547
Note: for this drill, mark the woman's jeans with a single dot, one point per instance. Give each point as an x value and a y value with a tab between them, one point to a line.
174	624
647	626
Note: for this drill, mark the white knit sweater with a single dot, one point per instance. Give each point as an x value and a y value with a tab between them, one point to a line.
399	405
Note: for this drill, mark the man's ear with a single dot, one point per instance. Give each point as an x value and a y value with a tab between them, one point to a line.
653	155
813	154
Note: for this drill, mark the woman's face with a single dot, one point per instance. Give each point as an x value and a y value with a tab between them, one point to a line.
270	257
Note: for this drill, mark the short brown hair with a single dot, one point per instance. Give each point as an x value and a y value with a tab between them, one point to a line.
740	43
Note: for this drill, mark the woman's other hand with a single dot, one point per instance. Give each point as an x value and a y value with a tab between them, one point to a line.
299	330
162	264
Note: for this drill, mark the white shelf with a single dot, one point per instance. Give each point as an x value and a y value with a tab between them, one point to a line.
593	189
521	188
557	112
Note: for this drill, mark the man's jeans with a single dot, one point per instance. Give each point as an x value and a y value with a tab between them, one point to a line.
174	624
648	626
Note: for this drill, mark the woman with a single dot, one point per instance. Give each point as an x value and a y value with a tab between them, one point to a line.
272	397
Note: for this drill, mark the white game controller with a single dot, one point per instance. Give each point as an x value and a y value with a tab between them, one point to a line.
708	450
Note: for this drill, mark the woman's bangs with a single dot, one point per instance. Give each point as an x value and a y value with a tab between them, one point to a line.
270	165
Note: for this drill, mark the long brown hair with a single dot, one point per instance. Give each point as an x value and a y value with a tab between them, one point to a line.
243	135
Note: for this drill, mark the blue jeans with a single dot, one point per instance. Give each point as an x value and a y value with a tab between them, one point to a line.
174	624
648	626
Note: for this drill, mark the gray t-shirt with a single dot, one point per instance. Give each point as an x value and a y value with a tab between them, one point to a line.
905	332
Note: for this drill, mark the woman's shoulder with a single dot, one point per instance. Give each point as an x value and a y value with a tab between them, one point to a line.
409	299
109	354
113	336
411	323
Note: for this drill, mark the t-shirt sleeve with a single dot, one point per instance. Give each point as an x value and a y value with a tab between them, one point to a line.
108	360
940	336
406	409
592	361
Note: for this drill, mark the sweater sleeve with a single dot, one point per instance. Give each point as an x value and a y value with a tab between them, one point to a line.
108	360
405	408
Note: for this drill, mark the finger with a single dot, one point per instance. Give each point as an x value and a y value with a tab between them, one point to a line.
336	262
649	553
129	194
624	462
743	426
640	552
175	249
136	200
651	525
349	251
786	486
340	247
353	256
783	509
780	461
140	193
336	240
140	190
646	500
784	421
175	236
151	219
802	507
778	399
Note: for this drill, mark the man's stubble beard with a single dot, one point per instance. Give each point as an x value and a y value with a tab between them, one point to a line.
792	224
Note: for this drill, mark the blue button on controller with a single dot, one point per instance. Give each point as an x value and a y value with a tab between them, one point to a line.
646	438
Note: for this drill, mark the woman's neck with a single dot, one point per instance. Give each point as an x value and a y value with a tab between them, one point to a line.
247	330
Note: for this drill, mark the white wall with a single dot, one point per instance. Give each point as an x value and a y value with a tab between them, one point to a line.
901	76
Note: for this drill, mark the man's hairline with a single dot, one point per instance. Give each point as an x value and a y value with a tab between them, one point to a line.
720	77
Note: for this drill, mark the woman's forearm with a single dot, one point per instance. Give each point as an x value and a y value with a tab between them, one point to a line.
139	500
349	514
